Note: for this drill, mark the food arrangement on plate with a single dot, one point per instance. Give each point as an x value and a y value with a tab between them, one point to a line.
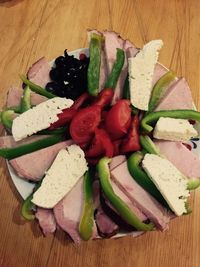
105	140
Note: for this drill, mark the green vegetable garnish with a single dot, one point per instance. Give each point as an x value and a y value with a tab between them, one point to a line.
116	70
87	218
160	89
93	74
26	100
36	88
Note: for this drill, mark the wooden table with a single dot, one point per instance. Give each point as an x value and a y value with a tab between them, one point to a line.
31	29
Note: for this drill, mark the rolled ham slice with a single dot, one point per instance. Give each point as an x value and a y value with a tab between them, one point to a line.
185	160
33	165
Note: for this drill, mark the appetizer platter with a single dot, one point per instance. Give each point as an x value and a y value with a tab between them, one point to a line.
102	142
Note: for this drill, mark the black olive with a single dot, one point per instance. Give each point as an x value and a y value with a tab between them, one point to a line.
52	87
60	61
54	74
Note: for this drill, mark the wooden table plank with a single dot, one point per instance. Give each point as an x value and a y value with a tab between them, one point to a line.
31	29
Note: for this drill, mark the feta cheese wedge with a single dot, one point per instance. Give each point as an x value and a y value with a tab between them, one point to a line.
39	117
171	183
68	167
141	70
174	129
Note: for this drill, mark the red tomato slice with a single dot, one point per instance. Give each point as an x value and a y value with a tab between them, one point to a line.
118	119
132	142
105	97
116	145
101	145
68	113
84	123
63	118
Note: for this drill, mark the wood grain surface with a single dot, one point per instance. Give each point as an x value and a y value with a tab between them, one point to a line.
30	29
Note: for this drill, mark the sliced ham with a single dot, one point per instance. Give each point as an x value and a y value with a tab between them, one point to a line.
15	94
178	97
106	227
33	166
184	159
144	202
116	161
68	212
128	202
46	220
39	72
159	71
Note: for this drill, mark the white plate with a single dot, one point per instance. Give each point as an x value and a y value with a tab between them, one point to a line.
25	188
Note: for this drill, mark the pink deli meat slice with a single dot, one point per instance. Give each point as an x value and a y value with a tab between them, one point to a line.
178	97
68	212
39	72
128	202
33	166
159	71
184	159
15	94
46	220
144	202
116	161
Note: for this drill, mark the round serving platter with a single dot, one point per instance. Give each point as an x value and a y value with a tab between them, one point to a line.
25	188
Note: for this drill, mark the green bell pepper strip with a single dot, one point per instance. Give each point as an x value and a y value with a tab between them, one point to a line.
193	183
126	95
27	206
26	100
93	74
188	208
62	130
152	118
160	89
126	92
148	145
15	109
36	88
87	218
7	118
142	178
118	204
116	69
14	152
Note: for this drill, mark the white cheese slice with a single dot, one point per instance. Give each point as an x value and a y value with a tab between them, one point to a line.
39	117
171	183
174	129
68	167
141	70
